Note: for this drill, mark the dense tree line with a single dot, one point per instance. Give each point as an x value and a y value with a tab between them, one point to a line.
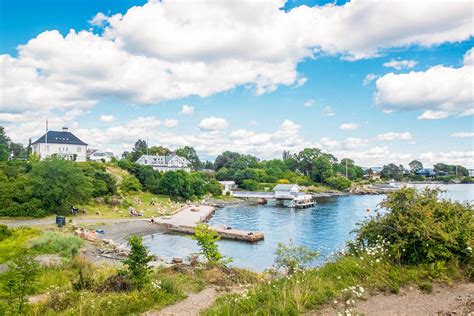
307	167
176	184
37	188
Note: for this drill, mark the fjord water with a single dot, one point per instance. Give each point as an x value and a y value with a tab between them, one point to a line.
325	227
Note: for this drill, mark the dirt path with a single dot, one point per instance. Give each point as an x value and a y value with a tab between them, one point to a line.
51	221
445	300
191	306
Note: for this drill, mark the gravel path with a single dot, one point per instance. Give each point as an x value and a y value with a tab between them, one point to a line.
191	306
445	300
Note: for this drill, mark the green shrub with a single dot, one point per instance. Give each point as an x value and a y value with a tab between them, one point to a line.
249	185
130	184
4	232
64	245
293	258
338	183
207	238
420	228
137	262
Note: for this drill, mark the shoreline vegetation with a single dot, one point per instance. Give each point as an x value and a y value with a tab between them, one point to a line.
430	242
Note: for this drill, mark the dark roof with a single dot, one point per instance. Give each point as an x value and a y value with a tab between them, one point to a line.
55	137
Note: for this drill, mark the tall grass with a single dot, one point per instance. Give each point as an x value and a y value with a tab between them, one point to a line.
345	280
15	243
55	243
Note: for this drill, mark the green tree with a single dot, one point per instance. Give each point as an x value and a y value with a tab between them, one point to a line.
4	145
137	262
20	280
139	149
392	171
207	238
293	258
225	159
159	150
305	160
321	169
59	184
415	166
190	154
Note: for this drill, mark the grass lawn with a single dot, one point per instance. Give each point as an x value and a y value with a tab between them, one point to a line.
141	202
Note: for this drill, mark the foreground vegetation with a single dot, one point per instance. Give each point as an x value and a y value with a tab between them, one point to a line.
420	240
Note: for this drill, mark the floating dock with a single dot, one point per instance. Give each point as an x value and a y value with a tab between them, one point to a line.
186	220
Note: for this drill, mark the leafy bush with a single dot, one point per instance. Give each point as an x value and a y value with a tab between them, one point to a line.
292	258
64	245
249	185
4	232
130	184
207	238
137	262
11	246
420	228
338	183
467	180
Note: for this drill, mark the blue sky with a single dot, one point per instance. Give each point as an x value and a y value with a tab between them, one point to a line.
276	77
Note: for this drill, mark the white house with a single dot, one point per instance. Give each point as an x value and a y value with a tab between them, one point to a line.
63	144
286	191
171	162
101	156
228	186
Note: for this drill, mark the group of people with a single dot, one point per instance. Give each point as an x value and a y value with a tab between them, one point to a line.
75	210
133	212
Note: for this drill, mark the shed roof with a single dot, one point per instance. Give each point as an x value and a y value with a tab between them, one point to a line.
285	187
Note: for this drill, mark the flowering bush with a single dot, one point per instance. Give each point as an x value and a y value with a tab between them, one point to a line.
419	228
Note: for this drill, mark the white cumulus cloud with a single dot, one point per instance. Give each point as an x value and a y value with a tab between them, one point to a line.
439	91
213	124
308	103
107	118
463	134
187	110
349	126
170	123
400	64
394	136
166	50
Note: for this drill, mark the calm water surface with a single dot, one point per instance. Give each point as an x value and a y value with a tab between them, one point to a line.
325	227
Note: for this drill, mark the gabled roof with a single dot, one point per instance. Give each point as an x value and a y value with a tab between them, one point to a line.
55	137
167	158
285	187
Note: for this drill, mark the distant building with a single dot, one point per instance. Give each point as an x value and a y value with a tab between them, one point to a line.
283	191
471	172
426	172
171	162
101	156
63	144
228	186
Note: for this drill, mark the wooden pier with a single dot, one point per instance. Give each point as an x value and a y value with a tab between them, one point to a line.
186	220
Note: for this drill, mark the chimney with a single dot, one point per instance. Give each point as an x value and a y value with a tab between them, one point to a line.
64	129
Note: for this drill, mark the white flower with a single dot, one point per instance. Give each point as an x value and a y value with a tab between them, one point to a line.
378	260
469	249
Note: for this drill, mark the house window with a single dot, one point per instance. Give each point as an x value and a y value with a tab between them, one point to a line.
47	147
78	149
